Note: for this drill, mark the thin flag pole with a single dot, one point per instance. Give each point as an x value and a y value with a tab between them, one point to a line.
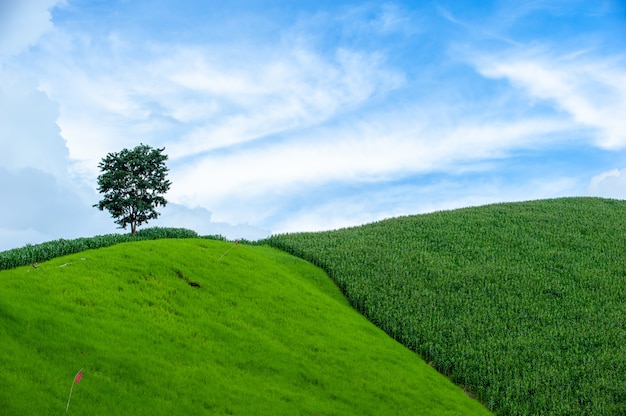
225	253
76	380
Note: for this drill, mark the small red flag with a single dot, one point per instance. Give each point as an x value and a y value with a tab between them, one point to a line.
79	376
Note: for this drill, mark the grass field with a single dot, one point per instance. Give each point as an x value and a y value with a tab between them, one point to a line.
192	326
524	304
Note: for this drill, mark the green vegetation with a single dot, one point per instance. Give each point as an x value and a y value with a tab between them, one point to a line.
35	253
524	304
176	327
132	184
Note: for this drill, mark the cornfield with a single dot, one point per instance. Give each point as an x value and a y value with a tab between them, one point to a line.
522	304
35	253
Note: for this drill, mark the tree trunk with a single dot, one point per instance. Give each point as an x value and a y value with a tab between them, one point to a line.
133	228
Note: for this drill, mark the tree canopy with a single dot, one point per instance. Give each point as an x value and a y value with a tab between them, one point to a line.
133	183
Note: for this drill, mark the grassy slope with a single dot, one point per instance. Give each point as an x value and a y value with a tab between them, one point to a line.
265	333
523	303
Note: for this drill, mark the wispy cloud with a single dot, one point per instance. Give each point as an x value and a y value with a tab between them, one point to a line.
591	90
293	90
360	152
215	101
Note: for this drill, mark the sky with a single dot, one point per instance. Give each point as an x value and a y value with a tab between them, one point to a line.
288	116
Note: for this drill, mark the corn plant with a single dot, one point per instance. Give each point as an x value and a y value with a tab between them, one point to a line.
31	254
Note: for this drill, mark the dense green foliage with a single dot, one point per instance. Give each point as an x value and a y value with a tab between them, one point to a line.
132	184
195	326
523	304
36	253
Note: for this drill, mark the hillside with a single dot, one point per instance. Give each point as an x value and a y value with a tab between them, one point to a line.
193	326
523	304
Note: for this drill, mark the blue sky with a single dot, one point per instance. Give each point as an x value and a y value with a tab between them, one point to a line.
283	116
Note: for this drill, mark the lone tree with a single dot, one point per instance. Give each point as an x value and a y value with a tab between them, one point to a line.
133	182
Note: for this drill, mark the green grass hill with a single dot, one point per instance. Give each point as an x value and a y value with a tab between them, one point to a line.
523	304
201	327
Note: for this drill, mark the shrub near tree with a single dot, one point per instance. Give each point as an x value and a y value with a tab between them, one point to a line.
133	183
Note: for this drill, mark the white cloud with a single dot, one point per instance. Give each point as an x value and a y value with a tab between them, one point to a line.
393	18
609	184
40	199
294	89
591	90
29	136
192	101
199	220
22	23
358	152
37	207
365	151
